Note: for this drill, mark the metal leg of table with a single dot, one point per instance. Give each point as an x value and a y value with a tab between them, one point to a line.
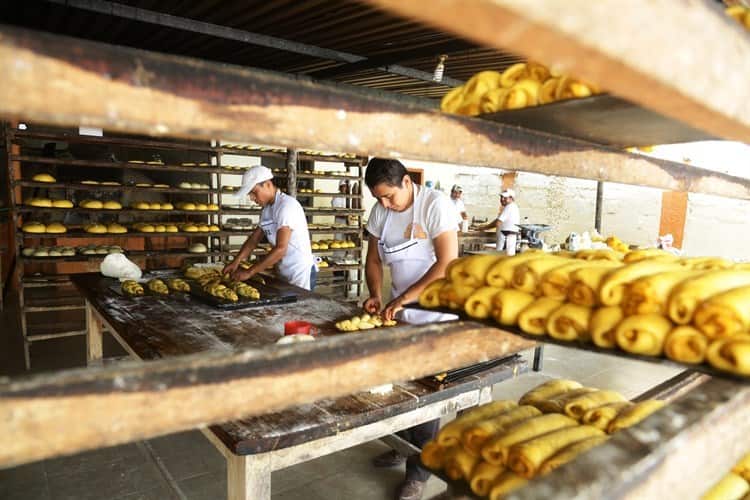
94	352
538	358
248	477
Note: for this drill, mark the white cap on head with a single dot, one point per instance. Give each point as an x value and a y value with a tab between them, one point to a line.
343	182
253	175
508	193
457	188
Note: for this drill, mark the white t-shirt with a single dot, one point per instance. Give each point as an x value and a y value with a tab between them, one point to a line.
296	265
510	217
438	213
460	208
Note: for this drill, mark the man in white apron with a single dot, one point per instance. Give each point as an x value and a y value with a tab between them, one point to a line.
506	223
413	232
283	223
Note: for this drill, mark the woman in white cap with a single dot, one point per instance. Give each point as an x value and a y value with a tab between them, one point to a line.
506	223
283	223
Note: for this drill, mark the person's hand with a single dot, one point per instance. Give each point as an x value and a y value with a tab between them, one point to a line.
373	305
242	274
392	308
231	267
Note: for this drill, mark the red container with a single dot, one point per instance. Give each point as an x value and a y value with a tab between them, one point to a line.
295	327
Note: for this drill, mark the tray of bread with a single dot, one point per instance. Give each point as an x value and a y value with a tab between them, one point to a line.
210	286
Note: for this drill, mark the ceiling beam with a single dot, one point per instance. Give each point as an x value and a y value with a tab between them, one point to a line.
167	20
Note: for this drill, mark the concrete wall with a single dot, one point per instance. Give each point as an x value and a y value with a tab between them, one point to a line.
717	226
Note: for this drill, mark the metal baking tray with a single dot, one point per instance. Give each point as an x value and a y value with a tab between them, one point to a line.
268	296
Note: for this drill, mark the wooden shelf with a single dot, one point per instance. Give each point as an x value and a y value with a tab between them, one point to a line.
107	187
131	254
129	211
115	164
302	175
119	141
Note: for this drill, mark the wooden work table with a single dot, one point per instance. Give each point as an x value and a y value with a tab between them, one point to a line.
153	327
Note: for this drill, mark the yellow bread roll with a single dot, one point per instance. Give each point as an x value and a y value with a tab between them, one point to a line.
633	414
474	436
526	458
450	434
743	467
433	455
112	205
166	206
458	463
585	282
454	295
141	205
496	450
686	345
650	293
568	453
62	203
533	319
95	228
34	227
472	270
730	487
160	228
612	288
479	303
527	275
556	404
724	314
548	390
507	304
452	100
600	254
569	322
500	274
91	204
555	283
171	228
43	178
493	100
147	228
56	228
201	206
39	202
116	228
601	416
505	483
483	477
731	354
643	334
689	294
430	296
578	406
603	324
705	263
647	253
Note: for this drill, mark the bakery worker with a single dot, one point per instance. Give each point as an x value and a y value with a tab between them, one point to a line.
506	223
283	223
413	232
456	194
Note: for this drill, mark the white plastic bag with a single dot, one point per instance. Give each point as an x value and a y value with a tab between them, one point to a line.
116	265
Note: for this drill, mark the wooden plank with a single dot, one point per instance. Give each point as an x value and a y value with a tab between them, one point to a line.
134	91
689	61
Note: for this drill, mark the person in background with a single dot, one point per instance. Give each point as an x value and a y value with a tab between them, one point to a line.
506	223
340	201
413	232
283	223
456	195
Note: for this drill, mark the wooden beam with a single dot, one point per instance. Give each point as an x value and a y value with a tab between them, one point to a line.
68	82
686	60
67	412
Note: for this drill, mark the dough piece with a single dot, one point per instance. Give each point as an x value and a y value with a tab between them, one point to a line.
158	287
197	248
143	185
102	250
186	185
112	205
110	183
195	185
41	252
167	206
190	228
186	206
90	182
56	228
450	434
62	203
116	228
68	252
171	228
201	206
147	228
28	252
115	249
160	228
141	205
91	204
39	202
212	206
95	228
43	178
178	285
89	251
214	228
203	228
155	206
162	185
132	288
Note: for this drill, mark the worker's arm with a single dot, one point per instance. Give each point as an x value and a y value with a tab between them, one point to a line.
374	276
494	223
446	250
283	234
464	215
247	248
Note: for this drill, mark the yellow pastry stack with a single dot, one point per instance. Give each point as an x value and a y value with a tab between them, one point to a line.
155	227
332	244
646	302
519	86
500	446
364	322
735	485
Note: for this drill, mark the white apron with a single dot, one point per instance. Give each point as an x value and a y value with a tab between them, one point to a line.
409	261
294	268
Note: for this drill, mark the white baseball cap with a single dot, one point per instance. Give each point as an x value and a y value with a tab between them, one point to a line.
508	193
253	175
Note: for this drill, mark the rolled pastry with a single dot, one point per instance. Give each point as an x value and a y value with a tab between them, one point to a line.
743	467
633	414
731	354
505	483
555	283
577	407
454	266
501	273
454	295
569	322
526	458
479	303
527	275
430	297
601	254
433	455
496	450
533	319
643	334
650	293
647	253
585	284
601	416
603	324
508	304
724	314
474	437
688	295
706	263
612	288
556	404
730	487
548	390
473	270
570	452
450	434
483	477
686	345
459	463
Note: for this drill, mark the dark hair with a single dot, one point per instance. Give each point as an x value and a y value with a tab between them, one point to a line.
383	170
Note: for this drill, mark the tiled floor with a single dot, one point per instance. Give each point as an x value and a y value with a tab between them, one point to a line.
187	466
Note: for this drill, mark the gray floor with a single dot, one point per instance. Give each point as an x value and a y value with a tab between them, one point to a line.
187	466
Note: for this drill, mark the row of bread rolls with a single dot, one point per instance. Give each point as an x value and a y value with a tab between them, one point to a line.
155	286
65	251
364	322
48	203
198	206
519	86
499	446
34	227
151	205
646	302
221	285
332	244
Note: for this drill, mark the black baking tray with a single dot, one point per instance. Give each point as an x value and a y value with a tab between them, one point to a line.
269	296
117	288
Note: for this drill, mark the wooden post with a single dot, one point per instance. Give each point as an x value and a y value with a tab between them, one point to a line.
291	172
94	336
248	477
